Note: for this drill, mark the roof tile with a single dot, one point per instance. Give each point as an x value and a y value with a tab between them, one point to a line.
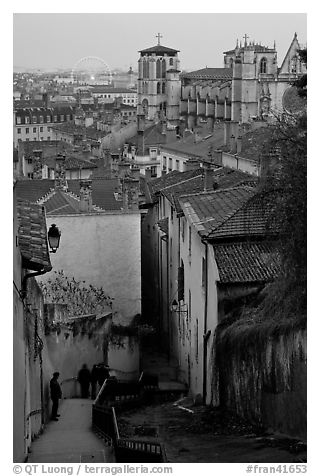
32	236
247	262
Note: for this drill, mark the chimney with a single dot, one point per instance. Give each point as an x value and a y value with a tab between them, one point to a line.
135	172
123	168
192	164
141	125
37	164
45	100
217	156
226	133
86	196
197	137
208	178
239	144
125	151
60	173
130	187
233	146
148	174
141	122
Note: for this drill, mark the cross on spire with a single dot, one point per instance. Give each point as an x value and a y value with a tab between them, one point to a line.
245	39
159	36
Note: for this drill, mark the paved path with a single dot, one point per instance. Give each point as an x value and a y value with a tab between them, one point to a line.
70	440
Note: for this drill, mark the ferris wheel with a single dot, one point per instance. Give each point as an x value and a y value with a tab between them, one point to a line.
91	70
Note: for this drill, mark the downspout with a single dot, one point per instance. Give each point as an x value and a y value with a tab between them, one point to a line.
26	277
206	334
168	298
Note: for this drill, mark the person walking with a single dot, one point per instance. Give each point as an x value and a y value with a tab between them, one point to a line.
84	378
55	395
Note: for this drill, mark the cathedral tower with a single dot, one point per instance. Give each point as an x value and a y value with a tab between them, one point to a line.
159	83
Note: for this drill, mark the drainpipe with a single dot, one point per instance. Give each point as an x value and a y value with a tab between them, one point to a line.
168	298
27	276
206	334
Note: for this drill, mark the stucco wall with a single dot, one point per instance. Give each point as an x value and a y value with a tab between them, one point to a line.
103	250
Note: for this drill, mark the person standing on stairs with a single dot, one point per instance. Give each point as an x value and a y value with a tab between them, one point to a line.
55	395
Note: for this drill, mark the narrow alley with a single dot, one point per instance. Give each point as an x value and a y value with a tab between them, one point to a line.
70	440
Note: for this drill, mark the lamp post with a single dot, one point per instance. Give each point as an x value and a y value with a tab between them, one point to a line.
54	238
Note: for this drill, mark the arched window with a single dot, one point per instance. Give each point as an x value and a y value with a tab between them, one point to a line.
263	65
158	69
163	68
231	63
146	69
294	63
145	107
158	88
163	88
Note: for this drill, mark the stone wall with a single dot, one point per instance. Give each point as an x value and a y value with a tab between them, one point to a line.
265	380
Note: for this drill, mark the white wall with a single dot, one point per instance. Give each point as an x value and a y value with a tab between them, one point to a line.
104	250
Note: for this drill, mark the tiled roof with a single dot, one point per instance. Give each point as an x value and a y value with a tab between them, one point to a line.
32	236
158	184
164	225
70	128
49	148
61	203
223	178
159	50
249	220
151	136
247	262
201	149
207	211
71	163
210	73
33	190
102	191
255	142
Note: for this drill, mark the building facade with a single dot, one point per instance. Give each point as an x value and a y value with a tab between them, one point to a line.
159	83
251	86
34	124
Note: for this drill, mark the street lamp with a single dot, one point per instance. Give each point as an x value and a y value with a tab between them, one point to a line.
176	308
54	238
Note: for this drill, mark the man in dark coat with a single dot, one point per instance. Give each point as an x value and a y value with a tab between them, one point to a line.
84	378
55	394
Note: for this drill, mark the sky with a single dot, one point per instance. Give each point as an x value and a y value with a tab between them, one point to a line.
60	40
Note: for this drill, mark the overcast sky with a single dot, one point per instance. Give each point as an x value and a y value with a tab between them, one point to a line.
61	39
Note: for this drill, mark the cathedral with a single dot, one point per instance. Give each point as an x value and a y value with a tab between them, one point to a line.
159	83
250	87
